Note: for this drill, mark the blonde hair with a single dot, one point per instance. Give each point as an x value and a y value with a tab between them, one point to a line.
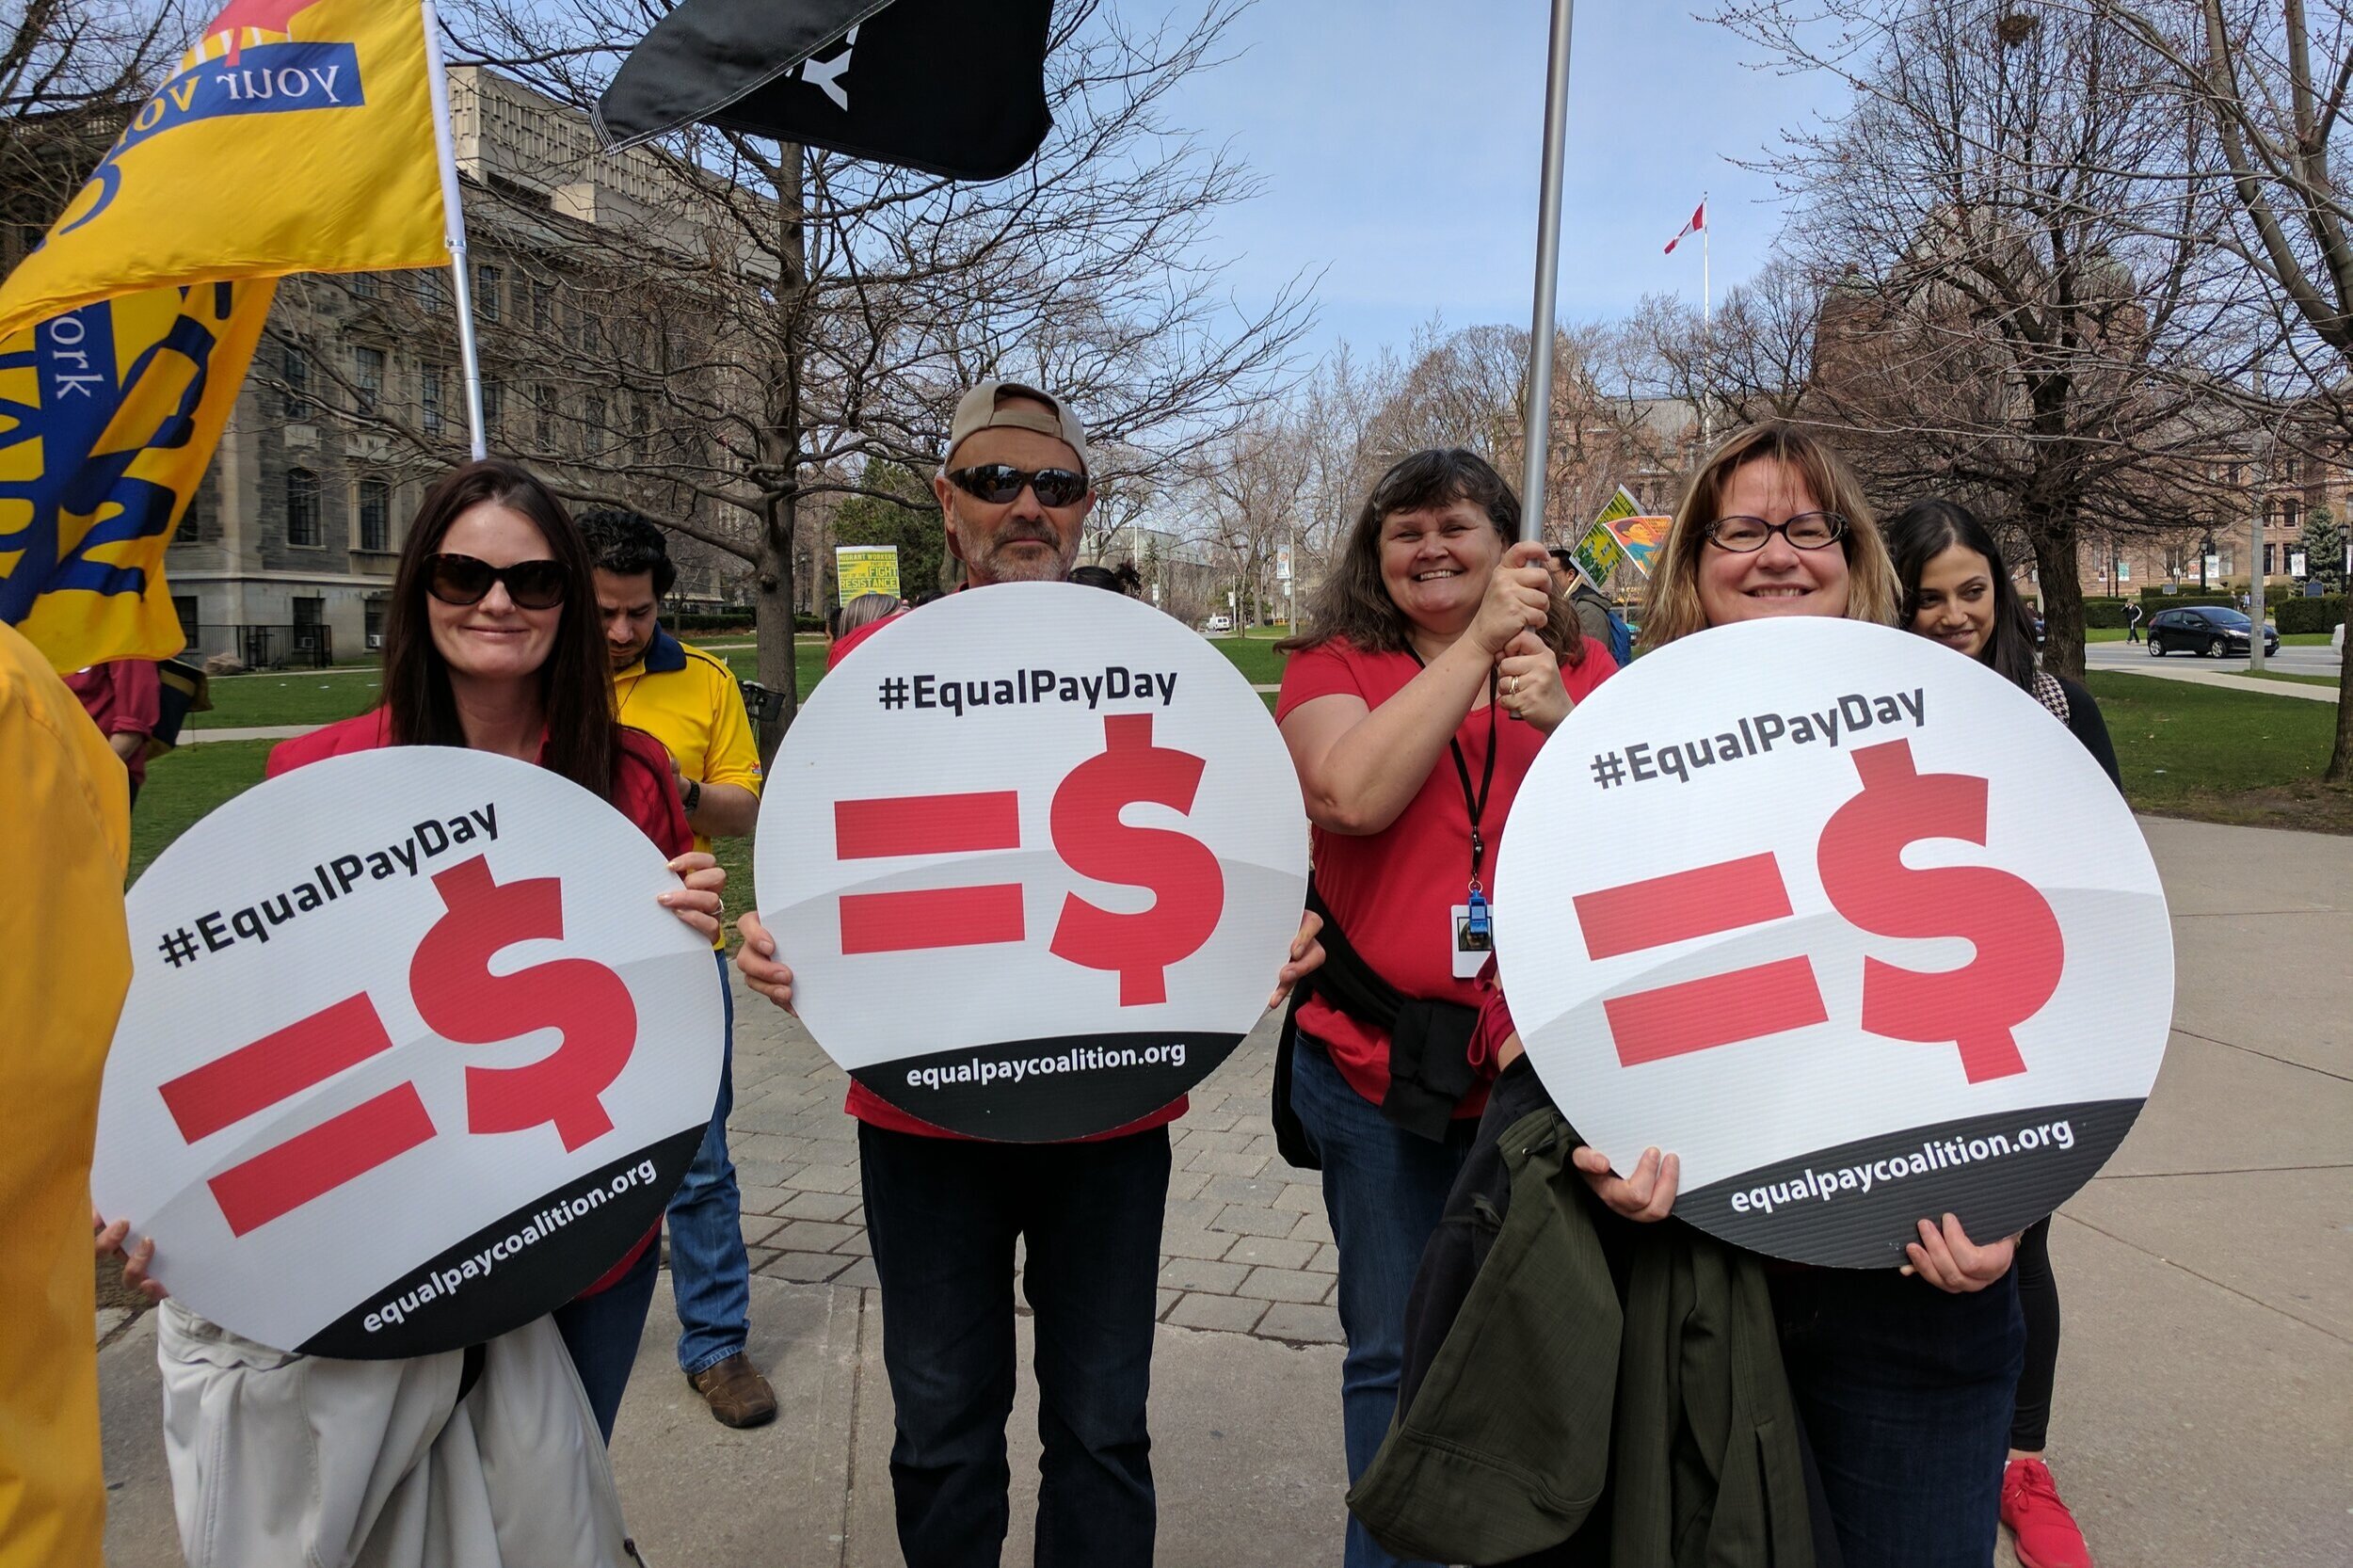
1672	608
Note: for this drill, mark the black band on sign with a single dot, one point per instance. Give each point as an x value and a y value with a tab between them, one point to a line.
1049	1091
551	1249
1999	1173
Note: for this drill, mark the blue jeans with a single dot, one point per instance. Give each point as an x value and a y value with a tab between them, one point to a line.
710	1272
1383	1189
1906	1393
942	1215
602	1331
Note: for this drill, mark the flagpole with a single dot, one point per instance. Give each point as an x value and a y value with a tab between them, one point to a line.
453	214
1548	277
1707	317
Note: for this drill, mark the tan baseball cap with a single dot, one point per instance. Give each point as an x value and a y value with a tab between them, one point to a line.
984	409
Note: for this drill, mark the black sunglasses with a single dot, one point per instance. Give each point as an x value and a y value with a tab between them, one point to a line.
998	483
464	580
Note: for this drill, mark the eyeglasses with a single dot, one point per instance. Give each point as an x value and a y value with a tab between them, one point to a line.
1806	530
464	580
999	483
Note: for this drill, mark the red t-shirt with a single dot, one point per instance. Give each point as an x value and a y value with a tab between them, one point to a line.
1393	892
870	1107
642	791
123	696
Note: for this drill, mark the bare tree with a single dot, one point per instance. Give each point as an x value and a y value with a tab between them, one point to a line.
2274	80
2021	314
71	72
722	332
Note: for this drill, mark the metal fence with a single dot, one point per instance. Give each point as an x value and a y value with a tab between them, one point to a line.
263	648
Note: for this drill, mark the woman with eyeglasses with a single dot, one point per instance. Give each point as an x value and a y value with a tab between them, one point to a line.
1436	663
1903	1379
491	642
1956	592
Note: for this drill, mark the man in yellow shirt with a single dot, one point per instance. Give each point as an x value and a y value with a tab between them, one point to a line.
690	702
65	963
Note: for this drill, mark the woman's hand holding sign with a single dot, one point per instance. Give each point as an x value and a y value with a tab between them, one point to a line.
1947	1259
697	903
1529	687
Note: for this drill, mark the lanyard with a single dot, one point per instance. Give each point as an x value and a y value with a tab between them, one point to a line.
1475	804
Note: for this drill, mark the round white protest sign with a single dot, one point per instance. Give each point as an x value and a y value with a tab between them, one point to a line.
1846	920
1034	853
411	1055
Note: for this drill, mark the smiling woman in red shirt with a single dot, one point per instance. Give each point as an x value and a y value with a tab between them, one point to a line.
492	641
1432	628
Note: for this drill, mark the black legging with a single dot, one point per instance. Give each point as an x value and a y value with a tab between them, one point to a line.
2037	1298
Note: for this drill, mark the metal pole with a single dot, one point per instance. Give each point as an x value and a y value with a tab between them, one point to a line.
1708	322
1548	277
454	214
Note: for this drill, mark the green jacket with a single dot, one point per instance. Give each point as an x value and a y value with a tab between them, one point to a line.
1503	1444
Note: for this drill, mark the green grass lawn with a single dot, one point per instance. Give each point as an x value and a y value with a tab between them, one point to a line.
2220	755
287	697
184	786
2330	681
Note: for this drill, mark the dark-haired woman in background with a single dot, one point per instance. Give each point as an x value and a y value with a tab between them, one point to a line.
1956	592
1433	619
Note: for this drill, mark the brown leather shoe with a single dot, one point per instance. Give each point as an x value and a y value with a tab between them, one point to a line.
736	1392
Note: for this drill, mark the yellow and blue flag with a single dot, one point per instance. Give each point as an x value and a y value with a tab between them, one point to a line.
108	417
295	136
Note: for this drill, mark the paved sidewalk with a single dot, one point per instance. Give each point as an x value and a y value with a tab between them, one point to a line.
2204	1411
2222	678
263	732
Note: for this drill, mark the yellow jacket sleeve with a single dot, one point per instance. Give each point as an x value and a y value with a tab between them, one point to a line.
65	963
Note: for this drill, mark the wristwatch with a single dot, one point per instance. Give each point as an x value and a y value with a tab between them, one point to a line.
694	795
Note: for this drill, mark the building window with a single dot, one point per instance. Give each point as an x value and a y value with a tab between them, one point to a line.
302	509
432	289
594	416
293	364
429	399
309	616
542	305
2288	514
184	606
375	515
640	430
2269	551
493	405
363	286
543	415
372	620
367	381
487	281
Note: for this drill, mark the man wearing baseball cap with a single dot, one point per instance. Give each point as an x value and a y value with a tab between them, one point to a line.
943	1213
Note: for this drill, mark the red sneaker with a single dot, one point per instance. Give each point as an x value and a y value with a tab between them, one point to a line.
2047	1533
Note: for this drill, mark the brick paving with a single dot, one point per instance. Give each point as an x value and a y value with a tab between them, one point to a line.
1245	1247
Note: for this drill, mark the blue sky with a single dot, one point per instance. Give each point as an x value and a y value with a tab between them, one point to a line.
1400	146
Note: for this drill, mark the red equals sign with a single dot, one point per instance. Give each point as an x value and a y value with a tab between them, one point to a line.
1716	1010
925	918
251	1078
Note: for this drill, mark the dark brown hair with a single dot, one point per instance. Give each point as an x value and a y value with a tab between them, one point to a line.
1927	529
1352	604
575	684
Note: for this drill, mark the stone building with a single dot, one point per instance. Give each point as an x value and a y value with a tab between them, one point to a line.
356	400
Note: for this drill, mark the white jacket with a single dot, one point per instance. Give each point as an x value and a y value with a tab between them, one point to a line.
312	1462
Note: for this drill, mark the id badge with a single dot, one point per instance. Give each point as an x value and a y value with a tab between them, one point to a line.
1472	940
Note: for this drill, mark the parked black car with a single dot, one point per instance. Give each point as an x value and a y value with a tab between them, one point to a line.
2210	630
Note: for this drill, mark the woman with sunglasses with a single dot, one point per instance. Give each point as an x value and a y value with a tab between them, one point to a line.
1956	592
491	641
1436	662
1903	1379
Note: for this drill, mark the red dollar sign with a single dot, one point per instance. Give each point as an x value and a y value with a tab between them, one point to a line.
1189	889
462	1001
2020	951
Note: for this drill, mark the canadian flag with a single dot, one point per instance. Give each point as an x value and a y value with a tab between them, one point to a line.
1699	220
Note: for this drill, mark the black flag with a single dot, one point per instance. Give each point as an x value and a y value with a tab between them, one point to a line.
950	87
